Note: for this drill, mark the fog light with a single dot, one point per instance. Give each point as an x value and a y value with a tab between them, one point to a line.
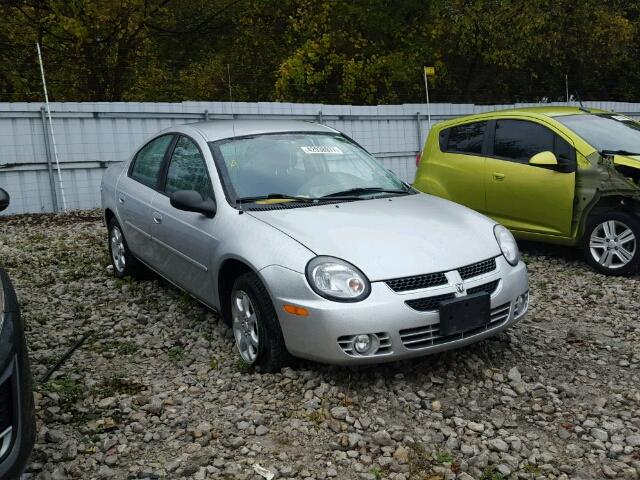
362	343
522	303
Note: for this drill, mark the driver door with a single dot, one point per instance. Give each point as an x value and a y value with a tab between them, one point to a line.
525	197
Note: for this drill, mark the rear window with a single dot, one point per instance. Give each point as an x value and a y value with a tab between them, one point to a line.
146	166
466	138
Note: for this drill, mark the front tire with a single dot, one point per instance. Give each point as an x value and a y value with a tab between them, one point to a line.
255	325
123	262
611	243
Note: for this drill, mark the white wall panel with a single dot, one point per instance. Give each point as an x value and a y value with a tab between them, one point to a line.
90	133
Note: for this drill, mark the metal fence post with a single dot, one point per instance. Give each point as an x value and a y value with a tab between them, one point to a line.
320	117
47	149
419	132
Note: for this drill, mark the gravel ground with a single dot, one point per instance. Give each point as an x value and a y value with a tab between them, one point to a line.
157	390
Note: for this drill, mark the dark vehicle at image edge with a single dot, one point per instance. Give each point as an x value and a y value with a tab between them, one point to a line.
17	420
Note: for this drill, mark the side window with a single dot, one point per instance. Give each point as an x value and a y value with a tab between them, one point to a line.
519	140
565	153
465	138
187	170
146	165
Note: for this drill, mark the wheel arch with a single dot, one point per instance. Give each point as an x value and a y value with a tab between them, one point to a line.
230	269
108	216
603	204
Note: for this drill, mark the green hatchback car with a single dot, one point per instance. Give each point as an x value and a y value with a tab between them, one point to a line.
561	175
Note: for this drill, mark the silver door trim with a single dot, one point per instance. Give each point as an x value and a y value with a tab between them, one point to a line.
181	255
183	289
138	229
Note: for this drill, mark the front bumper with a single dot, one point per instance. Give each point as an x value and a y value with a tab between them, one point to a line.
17	427
326	334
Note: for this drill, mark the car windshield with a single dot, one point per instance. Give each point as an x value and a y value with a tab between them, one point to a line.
303	167
607	131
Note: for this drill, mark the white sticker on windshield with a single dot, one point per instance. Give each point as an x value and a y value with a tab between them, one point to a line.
322	149
620	118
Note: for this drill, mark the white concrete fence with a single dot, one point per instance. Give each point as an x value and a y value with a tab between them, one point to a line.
90	136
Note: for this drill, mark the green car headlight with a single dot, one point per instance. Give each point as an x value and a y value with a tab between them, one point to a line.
507	244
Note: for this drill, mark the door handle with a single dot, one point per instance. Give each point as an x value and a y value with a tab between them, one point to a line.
157	218
498	176
120	199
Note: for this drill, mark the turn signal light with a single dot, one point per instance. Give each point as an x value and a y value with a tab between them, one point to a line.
418	158
295	310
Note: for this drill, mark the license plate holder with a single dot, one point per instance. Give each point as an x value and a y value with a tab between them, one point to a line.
464	313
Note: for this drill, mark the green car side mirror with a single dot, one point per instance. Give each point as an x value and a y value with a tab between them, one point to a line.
543	158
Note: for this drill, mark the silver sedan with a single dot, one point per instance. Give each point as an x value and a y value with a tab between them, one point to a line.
307	246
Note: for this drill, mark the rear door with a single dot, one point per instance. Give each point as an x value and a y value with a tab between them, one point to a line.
185	241
135	193
456	173
525	197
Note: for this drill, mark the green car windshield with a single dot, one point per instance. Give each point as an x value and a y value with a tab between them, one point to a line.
606	131
301	166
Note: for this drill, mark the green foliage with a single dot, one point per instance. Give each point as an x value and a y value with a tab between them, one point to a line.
176	353
490	473
342	51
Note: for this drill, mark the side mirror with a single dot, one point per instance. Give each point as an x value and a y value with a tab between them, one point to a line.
4	199
544	159
192	201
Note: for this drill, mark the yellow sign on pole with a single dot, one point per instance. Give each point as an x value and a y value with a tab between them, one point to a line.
428	72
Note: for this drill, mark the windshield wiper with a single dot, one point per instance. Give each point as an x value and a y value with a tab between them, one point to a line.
358	191
275	196
617	152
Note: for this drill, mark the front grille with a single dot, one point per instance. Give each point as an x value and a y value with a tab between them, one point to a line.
346	344
6	406
476	269
417	282
429	303
429	335
487	287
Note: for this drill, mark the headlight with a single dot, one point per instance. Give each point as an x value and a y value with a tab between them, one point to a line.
507	244
336	279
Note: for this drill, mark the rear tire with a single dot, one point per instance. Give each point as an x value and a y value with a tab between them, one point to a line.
123	262
255	325
611	243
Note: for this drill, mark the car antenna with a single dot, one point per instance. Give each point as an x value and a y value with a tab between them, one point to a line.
233	127
582	107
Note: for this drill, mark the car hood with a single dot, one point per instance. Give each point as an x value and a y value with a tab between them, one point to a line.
391	237
632	161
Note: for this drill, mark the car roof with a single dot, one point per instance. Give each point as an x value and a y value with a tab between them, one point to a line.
541	112
552	110
213	130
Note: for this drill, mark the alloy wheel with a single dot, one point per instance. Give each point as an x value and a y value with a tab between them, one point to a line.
118	249
612	244
245	326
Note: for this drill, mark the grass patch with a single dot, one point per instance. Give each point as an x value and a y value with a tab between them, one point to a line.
490	473
443	457
241	366
318	416
119	385
176	353
121	348
213	363
69	391
379	472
